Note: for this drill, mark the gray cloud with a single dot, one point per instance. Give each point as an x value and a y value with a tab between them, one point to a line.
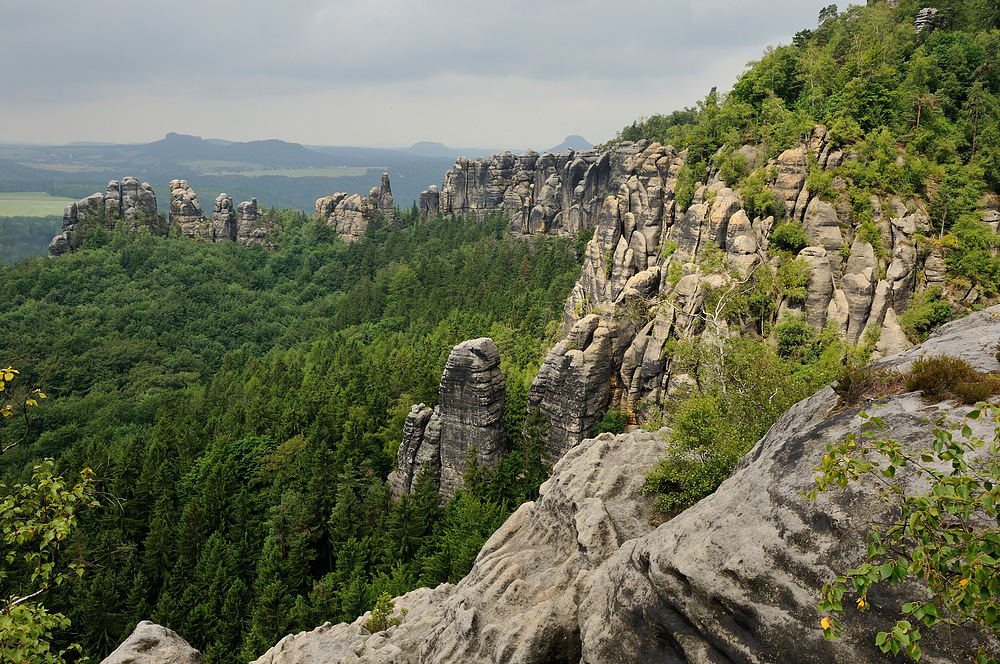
357	71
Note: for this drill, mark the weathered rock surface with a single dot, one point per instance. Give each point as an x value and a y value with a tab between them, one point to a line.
471	400
520	601
227	224
150	643
736	577
351	214
127	201
579	576
573	384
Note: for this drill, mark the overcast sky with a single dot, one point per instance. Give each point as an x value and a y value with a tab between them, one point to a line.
385	73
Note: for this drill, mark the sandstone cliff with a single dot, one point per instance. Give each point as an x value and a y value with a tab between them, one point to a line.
644	281
581	576
469	414
127	201
352	214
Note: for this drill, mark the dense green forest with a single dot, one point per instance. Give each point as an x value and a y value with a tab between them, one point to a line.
21	237
241	409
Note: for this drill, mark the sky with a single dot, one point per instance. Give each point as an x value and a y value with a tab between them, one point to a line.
378	73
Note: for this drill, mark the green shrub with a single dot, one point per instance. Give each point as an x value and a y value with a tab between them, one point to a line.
794	277
381	618
855	383
758	199
795	338
613	421
927	311
790	237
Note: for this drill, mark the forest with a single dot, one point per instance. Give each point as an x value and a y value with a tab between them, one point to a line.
240	408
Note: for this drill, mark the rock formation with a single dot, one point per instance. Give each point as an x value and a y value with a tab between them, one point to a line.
127	201
469	413
152	644
241	225
580	575
520	601
352	214
548	193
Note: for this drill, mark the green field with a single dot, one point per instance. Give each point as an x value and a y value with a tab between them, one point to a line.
31	204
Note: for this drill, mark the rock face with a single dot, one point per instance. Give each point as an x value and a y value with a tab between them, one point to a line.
548	193
520	601
469	413
351	214
127	201
242	224
152	644
580	575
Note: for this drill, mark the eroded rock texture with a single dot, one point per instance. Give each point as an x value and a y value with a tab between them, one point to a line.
241	224
351	214
150	643
520	601
471	400
129	201
580	576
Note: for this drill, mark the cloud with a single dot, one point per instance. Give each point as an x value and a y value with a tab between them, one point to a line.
393	67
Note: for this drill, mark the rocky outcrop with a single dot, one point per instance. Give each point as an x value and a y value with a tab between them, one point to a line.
242	224
573	384
471	400
520	601
127	201
580	575
351	214
152	644
548	193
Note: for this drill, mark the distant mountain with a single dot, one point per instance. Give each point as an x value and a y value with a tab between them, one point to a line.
271	153
576	142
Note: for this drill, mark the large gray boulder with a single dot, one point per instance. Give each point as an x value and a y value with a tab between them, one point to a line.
150	643
351	214
128	201
573	385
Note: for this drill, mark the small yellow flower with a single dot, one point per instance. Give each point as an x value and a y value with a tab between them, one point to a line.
862	605
963	582
825	622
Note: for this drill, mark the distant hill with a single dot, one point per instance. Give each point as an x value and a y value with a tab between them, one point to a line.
432	149
576	142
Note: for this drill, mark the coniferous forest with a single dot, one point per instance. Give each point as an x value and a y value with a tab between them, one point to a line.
241	409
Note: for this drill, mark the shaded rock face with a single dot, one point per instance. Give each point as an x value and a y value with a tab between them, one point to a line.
242	224
350	214
580	575
573	384
471	400
150	643
548	193
519	602
127	201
